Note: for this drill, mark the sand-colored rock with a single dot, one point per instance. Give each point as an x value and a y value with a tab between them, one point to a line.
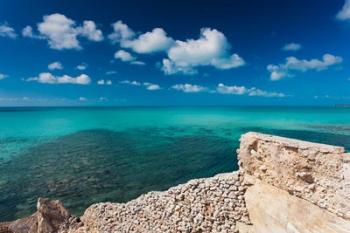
273	210
51	217
315	172
4	227
203	205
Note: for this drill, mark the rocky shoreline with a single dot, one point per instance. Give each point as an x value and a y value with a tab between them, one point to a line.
283	185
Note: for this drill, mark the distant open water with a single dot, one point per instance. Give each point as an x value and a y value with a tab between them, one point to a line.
87	155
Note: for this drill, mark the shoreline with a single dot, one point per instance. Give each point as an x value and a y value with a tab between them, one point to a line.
282	172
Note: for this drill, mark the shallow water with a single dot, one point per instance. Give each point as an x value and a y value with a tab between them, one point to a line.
87	155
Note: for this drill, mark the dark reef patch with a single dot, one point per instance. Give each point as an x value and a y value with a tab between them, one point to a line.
101	165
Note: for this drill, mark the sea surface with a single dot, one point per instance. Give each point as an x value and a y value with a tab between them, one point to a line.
87	155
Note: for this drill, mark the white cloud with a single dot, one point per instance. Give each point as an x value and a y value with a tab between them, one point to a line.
258	92
241	90
124	56
233	90
149	42
27	31
104	82
3	76
139	63
291	47
188	88
121	32
211	49
82	66
82	99
61	32
48	78
55	66
344	13
170	68
90	31
7	31
128	82
280	71
151	86
127	57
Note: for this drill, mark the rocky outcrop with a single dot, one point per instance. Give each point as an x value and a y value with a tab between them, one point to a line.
51	216
203	205
315	172
283	185
4	227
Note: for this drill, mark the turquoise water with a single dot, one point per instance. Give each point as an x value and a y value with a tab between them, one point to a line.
87	155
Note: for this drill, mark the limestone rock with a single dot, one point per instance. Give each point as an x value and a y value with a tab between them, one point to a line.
315	172
203	205
51	217
274	210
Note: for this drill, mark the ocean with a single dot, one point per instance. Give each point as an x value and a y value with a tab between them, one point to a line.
87	155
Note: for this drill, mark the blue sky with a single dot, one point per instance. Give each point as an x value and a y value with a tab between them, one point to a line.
239	52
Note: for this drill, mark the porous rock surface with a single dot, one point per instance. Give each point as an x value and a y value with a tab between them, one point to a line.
202	205
315	172
51	216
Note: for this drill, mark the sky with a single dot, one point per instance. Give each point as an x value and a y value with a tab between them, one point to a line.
138	53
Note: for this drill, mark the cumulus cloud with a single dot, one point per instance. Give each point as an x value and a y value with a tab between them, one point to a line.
82	66
280	71
344	13
291	47
27	31
234	90
189	88
7	31
211	49
48	78
149	86
241	90
127	57
104	82
121	32
59	31
3	76
55	66
82	99
149	42
124	56
90	31
62	32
